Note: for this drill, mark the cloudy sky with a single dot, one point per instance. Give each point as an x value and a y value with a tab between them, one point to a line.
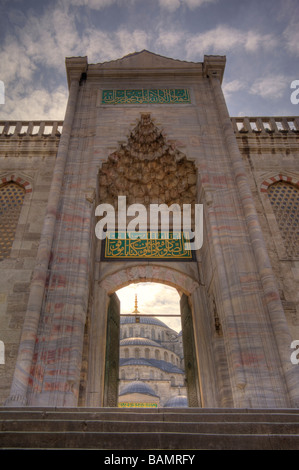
153	299
260	39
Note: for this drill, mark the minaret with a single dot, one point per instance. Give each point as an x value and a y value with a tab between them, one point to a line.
137	318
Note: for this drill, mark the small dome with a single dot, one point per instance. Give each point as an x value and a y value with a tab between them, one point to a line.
139	341
179	401
138	387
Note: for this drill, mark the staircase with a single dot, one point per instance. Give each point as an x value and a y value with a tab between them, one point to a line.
131	429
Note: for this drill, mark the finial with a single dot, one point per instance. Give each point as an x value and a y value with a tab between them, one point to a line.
137	319
136	305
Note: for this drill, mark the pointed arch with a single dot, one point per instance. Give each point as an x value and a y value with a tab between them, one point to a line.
18	180
279	177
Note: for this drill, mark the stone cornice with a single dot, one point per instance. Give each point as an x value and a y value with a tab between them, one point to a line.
145	64
75	67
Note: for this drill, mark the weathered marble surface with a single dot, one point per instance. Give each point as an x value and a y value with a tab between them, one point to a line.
241	333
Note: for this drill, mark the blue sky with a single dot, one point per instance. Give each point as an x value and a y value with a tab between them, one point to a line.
260	39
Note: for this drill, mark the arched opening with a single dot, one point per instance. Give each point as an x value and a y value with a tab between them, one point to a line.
153	354
147	170
156	363
102	374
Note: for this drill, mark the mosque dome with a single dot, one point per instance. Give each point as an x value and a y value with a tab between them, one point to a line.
157	363
179	401
138	387
136	341
150	361
143	320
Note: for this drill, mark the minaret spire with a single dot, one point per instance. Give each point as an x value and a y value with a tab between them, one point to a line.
136	305
137	318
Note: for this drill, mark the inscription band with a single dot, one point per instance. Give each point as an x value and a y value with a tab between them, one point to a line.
144	96
140	246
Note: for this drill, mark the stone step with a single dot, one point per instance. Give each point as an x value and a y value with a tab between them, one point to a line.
45	425
146	441
179	415
123	429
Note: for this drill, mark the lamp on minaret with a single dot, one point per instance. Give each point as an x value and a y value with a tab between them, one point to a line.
137	318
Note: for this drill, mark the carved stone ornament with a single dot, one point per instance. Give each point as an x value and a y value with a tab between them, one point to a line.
148	170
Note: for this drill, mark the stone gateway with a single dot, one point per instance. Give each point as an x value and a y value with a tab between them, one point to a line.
157	131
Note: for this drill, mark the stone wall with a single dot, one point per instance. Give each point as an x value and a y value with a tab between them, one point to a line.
241	336
27	157
270	150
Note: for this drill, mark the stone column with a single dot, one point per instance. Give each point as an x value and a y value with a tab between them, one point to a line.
278	333
97	348
21	378
204	350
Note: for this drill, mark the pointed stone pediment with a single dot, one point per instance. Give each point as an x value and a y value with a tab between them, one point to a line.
145	62
146	59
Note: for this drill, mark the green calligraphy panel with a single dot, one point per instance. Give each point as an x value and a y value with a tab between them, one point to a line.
144	96
146	245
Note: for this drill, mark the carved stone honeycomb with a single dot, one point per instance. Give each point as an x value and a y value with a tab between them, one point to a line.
148	170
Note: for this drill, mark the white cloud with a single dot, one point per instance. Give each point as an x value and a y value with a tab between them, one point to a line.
232	87
170	5
50	38
41	45
15	62
153	299
192	4
223	39
169	39
35	105
96	4
253	41
291	36
38	44
271	86
131	41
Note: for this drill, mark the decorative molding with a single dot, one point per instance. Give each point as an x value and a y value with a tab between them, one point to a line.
274	179
149	273
16	179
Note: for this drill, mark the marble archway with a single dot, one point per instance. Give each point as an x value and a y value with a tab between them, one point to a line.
104	314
